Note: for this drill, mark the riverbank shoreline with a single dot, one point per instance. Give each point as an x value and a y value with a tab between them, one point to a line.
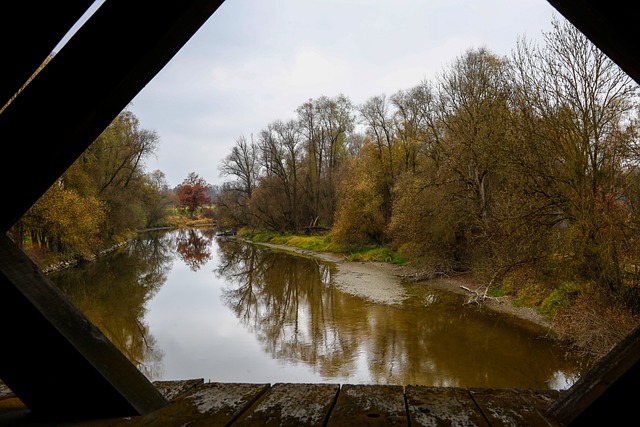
380	282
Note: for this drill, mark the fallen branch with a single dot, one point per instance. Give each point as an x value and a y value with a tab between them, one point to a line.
479	297
430	275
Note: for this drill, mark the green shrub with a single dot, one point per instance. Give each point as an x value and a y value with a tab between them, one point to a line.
498	292
263	238
559	298
376	255
531	295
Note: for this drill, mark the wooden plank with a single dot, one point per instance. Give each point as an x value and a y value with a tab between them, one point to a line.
506	407
369	405
292	405
211	404
171	390
437	406
218	404
542	400
13	413
59	365
611	26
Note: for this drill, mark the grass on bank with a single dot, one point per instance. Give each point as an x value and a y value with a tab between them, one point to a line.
323	243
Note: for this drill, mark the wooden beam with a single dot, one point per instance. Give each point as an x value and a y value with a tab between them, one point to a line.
604	395
57	362
611	25
29	33
84	87
52	357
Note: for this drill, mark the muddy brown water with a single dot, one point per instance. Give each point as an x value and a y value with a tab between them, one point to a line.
188	304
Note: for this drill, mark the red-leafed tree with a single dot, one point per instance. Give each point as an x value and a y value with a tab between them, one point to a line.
193	193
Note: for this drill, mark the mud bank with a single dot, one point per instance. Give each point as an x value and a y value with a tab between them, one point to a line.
380	282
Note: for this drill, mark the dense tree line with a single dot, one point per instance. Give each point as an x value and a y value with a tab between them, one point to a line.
105	194
498	164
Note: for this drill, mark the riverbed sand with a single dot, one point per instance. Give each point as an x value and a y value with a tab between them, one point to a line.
380	282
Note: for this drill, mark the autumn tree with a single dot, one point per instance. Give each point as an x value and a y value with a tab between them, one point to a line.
376	115
193	193
286	177
65	222
242	166
360	216
398	134
112	169
324	124
416	126
120	150
107	193
425	224
156	196
575	110
232	209
475	118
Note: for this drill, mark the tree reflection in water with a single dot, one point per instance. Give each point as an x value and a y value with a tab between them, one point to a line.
113	291
194	246
299	318
290	304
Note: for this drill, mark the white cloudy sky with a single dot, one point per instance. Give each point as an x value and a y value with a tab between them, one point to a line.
255	61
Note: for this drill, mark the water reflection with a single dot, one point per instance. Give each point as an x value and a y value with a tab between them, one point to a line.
283	300
298	315
114	299
194	246
186	304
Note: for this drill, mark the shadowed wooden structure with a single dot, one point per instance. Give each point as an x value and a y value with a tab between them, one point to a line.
194	402
58	366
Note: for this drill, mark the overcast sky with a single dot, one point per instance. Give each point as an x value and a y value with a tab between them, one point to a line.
256	61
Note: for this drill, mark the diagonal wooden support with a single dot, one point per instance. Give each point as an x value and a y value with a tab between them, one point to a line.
608	26
29	33
604	395
85	86
53	358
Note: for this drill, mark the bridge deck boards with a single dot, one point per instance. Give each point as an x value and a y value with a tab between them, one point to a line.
196	403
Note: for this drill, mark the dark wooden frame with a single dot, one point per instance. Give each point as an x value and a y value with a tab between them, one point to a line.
52	357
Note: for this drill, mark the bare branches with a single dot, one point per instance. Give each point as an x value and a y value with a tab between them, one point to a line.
480	297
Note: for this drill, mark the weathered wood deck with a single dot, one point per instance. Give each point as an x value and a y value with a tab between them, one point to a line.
195	403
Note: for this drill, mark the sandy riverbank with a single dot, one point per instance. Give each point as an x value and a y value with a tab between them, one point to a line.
380	282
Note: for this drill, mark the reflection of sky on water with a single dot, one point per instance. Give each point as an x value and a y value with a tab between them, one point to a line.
201	338
235	313
560	381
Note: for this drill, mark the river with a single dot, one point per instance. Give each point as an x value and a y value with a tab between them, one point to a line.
186	304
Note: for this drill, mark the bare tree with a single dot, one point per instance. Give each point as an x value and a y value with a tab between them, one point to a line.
242	164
